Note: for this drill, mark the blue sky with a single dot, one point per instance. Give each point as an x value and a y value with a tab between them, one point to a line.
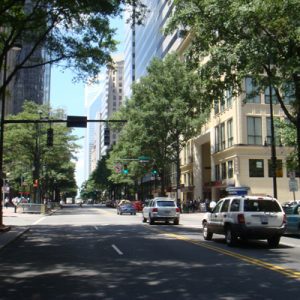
70	96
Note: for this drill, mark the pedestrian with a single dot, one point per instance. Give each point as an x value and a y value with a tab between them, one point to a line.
6	202
207	204
212	205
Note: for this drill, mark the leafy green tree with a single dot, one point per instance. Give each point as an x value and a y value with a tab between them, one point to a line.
162	116
78	33
236	38
53	166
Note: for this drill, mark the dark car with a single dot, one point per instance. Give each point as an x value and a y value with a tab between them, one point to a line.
292	211
126	209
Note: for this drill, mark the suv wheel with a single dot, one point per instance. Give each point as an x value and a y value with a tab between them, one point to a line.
151	221
176	221
230	236
274	241
207	235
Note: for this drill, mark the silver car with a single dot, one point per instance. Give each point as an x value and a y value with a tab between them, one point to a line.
161	209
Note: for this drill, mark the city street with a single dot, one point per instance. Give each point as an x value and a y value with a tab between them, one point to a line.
93	253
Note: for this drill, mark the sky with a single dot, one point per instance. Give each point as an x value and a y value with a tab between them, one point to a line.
70	96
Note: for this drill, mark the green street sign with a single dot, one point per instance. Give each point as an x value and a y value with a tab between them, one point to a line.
144	158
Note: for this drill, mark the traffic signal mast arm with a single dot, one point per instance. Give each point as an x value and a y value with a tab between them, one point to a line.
61	121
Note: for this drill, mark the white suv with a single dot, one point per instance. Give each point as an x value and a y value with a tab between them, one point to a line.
161	209
245	217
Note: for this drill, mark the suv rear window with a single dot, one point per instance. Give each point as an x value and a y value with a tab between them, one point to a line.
166	203
261	205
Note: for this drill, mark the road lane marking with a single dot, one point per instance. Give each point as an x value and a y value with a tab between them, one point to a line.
285	271
38	221
117	249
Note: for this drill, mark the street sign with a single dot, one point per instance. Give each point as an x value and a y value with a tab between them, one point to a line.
293	185
144	159
76	121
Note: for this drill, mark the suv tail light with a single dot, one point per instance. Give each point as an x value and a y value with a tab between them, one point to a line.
241	218
284	219
154	209
177	209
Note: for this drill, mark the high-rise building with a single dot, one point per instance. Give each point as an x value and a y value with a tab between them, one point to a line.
31	84
144	42
101	102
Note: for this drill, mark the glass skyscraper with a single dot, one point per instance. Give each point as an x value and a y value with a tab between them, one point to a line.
144	42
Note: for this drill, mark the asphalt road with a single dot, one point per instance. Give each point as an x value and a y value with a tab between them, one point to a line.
93	253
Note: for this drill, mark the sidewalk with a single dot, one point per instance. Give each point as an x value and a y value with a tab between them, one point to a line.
19	223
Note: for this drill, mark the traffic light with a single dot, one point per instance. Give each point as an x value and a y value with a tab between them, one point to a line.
106	136
125	169
154	169
49	137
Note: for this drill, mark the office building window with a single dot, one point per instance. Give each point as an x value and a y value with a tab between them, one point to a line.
217	139
222	136
228	97
216	106
217	172
224	171
267	96
279	170
254	130
229	133
230	168
252	92
269	136
289	92
256	168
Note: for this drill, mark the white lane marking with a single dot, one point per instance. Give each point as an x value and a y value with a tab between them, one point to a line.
39	220
117	249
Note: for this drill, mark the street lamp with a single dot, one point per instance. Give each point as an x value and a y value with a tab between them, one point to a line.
273	143
2	122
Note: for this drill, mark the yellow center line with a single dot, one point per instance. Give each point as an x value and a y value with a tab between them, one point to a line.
285	271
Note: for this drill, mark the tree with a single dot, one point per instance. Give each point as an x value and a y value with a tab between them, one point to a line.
75	32
162	116
53	167
233	39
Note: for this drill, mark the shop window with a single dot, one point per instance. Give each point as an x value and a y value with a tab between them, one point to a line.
279	170
224	171
256	168
230	168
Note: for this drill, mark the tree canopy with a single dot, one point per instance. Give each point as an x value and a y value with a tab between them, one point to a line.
53	166
236	38
162	115
78	33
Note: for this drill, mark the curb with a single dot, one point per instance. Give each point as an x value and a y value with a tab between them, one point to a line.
14	236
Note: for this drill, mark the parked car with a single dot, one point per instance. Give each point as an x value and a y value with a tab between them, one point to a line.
292	211
246	217
161	209
138	205
126	208
123	201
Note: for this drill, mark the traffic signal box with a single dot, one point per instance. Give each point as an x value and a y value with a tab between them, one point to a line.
154	170
106	136
36	183
49	137
125	169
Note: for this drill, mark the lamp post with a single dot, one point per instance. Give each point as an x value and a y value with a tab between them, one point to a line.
273	144
2	123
